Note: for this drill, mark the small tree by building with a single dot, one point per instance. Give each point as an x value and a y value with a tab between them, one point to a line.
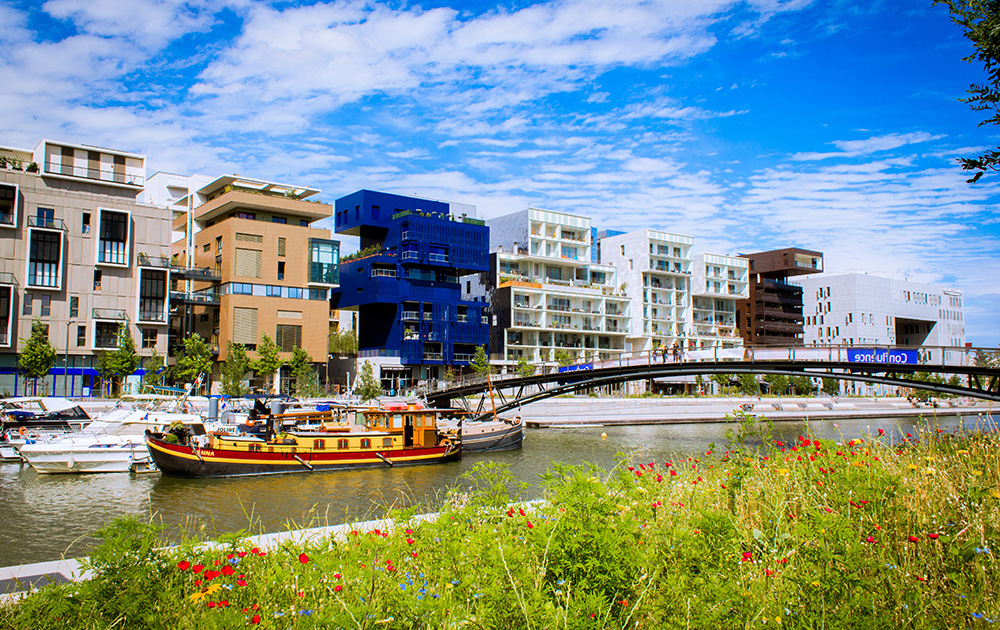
724	381
37	356
777	384
344	343
749	386
481	362
268	362
368	387
831	386
234	368
524	368
802	385
195	359
122	361
306	382
563	357
155	372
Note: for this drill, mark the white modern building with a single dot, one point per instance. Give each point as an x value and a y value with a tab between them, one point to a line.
547	295
859	309
718	283
654	269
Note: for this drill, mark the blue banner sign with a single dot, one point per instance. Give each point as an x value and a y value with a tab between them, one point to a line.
882	355
574	368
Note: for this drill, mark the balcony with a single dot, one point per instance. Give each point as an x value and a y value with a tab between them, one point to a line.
8	278
463	357
104	174
410	316
433	356
158	262
205	297
192	273
242	199
437	258
110	314
153	316
327	274
46	223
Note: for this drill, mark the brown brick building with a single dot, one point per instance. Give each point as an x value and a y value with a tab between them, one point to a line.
772	315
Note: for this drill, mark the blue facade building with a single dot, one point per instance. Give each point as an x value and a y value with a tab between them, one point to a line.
405	283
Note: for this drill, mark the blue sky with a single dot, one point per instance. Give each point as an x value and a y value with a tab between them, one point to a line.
748	125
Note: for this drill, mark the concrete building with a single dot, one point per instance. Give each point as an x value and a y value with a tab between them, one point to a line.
772	314
654	269
859	309
719	283
405	284
80	253
547	295
247	263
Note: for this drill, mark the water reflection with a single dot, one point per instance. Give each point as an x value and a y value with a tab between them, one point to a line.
46	516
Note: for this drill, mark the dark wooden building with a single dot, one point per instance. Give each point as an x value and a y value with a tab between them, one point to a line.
772	315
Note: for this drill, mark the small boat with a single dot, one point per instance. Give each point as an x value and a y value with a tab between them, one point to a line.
352	438
497	434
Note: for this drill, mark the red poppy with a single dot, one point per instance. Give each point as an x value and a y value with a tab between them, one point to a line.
255	551
624	602
210	604
197	582
933	536
242	554
338	588
521	510
255	619
228	570
224	603
336	576
881	431
782	560
673	473
211	575
410	541
530	526
183	565
413	553
241	582
870	539
303	558
197	568
230	556
913	539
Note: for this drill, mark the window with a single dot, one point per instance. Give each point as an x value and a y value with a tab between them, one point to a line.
623	250
8	205
319	445
273	291
44	258
288	337
85	225
242	288
250	216
26	308
206	247
46	305
98	275
323	261
245	326
295	293
218	244
152	295
303	223
342	444
281	270
106	335
281	245
74	307
248	262
366	443
112	244
149	336
281	220
81	336
317	294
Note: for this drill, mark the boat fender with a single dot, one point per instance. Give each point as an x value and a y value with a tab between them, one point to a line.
22	431
516	421
251	422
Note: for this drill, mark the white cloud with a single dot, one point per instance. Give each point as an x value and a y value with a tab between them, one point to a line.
874	144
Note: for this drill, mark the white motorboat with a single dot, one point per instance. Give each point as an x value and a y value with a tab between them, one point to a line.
113	442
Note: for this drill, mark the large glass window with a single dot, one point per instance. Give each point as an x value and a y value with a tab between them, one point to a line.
8	203
112	246
44	268
324	258
152	295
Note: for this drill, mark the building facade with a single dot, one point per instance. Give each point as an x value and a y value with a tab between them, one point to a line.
405	284
247	263
858	309
654	268
719	283
82	255
772	313
549	300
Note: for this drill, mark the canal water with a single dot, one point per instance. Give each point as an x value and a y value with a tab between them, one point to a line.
45	517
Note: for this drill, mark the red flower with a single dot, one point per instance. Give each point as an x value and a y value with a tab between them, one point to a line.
768	572
870	539
242	554
624	602
410	541
197	568
673	473
211	604
521	510
228	570
303	558
255	619
216	562
413	553
255	551
224	603
782	560
933	536
747	556
913	539
881	431
229	556
336	576
183	565
530	526
197	582
659	477
211	575
338	588
241	582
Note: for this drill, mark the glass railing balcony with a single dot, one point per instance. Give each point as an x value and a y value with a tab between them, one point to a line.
324	273
433	356
152	316
462	356
47	223
145	260
96	174
43	274
111	253
411	255
438	258
410	316
110	314
7	278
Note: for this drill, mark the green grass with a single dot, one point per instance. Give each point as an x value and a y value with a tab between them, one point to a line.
851	534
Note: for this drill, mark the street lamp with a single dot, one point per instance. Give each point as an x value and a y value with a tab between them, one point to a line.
66	362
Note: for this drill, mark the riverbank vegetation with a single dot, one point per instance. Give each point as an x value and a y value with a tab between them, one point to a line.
859	532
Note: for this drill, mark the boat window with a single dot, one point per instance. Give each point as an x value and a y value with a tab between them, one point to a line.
397	421
342	444
387	442
197	429
366	443
255	448
319	445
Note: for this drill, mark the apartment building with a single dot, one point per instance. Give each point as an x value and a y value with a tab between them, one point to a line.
249	262
405	284
860	309
772	314
547	295
718	284
80	253
655	270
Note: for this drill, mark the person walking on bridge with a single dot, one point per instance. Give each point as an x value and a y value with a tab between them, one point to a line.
676	352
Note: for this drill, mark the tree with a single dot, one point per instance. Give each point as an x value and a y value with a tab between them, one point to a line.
777	384
195	359
119	363
37	356
524	368
344	343
980	20
481	362
563	357
234	368
155	370
722	380
306	383
368	387
803	385
749	386
831	386
268	362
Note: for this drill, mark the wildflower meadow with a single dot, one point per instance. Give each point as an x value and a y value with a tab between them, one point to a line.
861	532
